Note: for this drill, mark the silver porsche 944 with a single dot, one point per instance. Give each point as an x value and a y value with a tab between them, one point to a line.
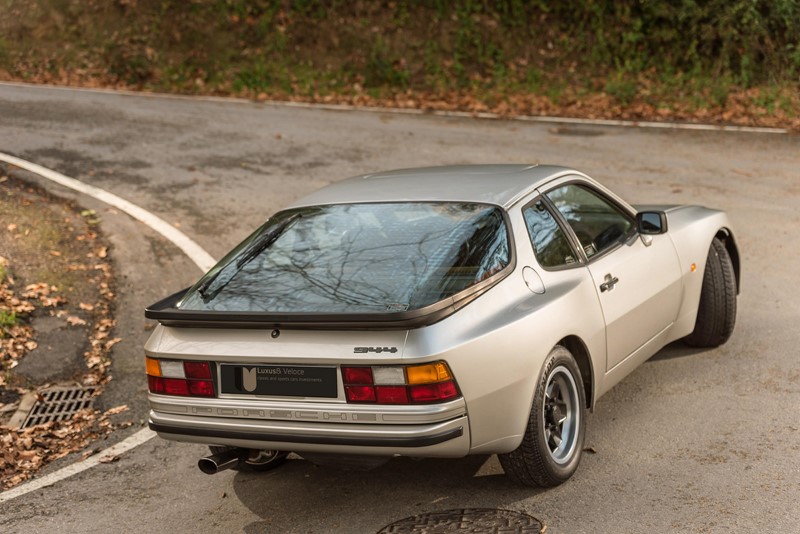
435	312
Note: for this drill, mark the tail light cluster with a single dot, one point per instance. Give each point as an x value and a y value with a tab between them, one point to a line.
182	378
409	384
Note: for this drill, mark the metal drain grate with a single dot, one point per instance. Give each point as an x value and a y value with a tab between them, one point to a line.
58	404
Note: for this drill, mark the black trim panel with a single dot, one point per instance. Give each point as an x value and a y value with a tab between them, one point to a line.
423	441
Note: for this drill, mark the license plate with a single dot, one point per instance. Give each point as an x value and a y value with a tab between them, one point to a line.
279	380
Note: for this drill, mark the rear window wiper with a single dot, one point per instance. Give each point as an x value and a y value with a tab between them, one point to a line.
265	240
258	246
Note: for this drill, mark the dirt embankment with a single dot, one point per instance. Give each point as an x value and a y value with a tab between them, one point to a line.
720	61
56	323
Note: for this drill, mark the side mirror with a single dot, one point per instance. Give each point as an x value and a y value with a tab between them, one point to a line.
651	222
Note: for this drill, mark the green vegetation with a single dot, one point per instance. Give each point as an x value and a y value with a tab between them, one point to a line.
7	320
679	58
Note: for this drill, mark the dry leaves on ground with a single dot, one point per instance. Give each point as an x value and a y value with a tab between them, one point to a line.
16	337
24	451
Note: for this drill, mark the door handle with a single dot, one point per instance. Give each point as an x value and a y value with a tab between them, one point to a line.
609	283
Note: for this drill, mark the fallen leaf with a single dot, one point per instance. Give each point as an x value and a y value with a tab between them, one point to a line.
86	307
52	302
116	410
75	321
55	253
109	459
590	450
103	252
11	227
26	456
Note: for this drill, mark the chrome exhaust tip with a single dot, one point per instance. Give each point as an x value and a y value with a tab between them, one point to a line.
211	465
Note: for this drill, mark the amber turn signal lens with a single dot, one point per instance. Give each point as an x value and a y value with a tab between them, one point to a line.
428	374
153	367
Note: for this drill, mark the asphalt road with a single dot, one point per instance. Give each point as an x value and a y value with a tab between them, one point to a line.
692	441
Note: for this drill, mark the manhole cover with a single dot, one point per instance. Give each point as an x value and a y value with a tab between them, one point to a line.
58	404
473	520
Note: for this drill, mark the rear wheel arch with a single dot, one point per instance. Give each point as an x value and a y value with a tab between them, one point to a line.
580	353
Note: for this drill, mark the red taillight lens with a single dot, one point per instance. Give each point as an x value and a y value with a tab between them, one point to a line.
391	394
175	386
357	375
185	379
433	392
197	370
360	393
201	388
156	384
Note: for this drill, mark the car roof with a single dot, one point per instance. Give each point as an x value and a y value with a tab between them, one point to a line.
502	185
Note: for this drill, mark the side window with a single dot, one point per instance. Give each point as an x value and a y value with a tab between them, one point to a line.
550	244
597	223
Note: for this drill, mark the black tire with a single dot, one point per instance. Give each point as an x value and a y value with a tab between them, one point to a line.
716	314
540	460
267	461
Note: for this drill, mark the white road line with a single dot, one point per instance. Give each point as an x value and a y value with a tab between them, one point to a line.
435	113
125	445
199	256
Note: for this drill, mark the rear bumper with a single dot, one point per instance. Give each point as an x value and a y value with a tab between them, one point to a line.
423	431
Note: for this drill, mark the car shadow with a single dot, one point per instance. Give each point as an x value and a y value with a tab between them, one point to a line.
303	497
677	349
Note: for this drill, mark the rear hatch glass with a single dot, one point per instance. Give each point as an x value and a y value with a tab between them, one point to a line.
357	258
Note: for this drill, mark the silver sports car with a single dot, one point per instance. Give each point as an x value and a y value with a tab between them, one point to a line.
435	312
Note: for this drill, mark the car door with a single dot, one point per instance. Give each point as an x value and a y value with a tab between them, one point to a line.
638	283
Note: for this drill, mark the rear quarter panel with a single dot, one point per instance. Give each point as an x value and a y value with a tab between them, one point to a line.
496	346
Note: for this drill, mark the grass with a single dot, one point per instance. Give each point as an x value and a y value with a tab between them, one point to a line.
7	319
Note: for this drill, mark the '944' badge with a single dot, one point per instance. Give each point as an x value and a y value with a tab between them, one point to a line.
376	350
